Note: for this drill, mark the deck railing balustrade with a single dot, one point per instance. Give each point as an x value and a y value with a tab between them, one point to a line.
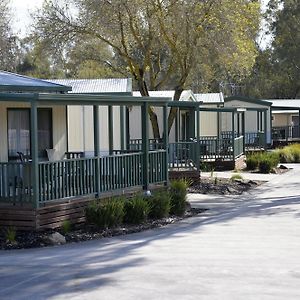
285	132
71	178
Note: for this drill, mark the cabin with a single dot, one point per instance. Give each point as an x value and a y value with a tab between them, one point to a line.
285	120
42	181
195	136
258	119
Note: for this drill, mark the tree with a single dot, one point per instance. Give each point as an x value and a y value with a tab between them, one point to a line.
159	42
8	42
277	71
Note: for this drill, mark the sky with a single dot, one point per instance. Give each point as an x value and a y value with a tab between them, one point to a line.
21	10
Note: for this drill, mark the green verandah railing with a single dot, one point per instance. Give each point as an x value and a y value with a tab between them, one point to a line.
78	177
15	180
183	155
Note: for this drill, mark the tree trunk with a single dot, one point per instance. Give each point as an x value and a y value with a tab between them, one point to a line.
173	110
152	115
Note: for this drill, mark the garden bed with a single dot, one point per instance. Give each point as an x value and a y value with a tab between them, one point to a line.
223	186
80	233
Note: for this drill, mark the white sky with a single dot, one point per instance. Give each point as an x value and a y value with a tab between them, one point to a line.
21	13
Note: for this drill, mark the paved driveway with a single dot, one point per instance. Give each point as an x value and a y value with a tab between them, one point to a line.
243	248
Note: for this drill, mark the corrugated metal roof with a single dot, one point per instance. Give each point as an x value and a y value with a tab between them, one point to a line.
186	95
210	98
285	102
111	85
11	82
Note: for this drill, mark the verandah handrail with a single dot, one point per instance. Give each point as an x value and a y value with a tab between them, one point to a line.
77	177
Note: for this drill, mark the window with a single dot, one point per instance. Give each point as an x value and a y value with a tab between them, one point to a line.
18	123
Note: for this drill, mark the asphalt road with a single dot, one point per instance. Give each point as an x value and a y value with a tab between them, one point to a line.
243	248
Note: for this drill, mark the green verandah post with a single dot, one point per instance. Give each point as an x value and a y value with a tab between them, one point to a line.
145	144
265	129
232	133
243	131
110	129
34	151
198	138
166	142
96	148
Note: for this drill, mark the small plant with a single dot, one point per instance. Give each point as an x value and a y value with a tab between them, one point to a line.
252	161
178	192
216	180
267	162
236	177
289	154
160	205
106	213
212	172
66	226
136	210
10	235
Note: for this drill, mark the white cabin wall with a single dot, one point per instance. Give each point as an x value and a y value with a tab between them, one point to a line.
208	123
58	125
283	119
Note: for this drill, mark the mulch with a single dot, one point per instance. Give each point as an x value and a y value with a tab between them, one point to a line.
80	233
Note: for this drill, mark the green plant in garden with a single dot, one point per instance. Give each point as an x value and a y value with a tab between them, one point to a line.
136	210
178	192
236	177
106	213
268	161
289	154
252	161
160	205
10	234
66	226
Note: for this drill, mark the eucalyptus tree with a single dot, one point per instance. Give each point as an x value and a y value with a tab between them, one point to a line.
8	42
159	42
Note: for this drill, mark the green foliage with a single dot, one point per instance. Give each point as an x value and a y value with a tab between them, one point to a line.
264	162
160	205
178	192
236	177
267	162
10	234
216	180
106	213
252	161
136	210
66	226
289	154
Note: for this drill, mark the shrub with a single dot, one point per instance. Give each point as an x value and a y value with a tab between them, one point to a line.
106	213
66	226
252	161
160	205
10	234
136	210
236	177
267	162
178	192
285	155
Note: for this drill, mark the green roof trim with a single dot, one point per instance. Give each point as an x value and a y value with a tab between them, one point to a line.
83	99
247	99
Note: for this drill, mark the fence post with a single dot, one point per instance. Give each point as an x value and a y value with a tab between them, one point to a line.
34	151
166	143
198	138
232	135
96	148
145	144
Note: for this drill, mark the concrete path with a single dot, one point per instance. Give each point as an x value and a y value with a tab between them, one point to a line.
244	248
